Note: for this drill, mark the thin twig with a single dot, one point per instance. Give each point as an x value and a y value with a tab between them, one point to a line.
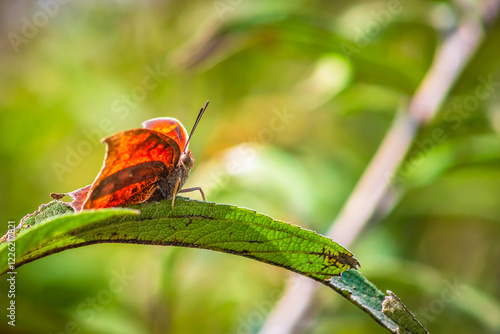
451	58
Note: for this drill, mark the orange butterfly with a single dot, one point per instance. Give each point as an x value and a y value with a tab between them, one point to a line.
141	165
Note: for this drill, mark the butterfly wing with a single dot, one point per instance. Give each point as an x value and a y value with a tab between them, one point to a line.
170	127
135	161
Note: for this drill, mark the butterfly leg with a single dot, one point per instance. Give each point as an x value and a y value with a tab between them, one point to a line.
176	190
194	189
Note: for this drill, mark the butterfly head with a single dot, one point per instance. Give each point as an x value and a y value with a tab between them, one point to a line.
187	159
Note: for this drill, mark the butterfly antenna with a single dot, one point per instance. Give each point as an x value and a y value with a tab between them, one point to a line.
202	110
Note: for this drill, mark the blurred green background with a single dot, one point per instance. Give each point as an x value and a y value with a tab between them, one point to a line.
301	94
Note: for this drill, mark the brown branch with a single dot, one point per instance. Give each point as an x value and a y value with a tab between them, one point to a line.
293	310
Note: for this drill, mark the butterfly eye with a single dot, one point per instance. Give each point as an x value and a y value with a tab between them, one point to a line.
187	159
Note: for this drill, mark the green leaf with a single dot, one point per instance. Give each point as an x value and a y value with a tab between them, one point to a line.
358	290
54	228
190	224
388	311
394	308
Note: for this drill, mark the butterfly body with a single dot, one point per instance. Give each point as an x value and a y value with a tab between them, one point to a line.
173	182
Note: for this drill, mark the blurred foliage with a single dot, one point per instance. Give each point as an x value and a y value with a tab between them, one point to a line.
340	70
